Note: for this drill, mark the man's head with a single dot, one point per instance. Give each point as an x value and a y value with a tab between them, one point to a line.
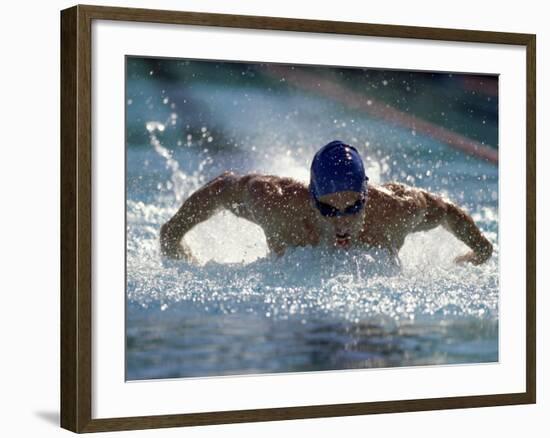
338	188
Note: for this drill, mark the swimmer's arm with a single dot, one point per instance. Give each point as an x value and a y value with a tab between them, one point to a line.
464	228
461	225
200	206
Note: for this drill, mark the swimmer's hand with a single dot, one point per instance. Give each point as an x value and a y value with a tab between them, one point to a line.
179	251
475	258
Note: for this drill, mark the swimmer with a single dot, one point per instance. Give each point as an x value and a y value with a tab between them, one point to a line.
338	208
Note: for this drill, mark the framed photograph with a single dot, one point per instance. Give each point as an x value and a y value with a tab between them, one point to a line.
269	218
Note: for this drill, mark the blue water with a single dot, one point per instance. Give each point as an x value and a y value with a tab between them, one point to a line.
244	311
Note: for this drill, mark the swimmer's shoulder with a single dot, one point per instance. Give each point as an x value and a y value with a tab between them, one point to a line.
396	195
272	185
396	188
400	191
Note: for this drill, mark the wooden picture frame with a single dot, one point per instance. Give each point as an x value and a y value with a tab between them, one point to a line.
76	218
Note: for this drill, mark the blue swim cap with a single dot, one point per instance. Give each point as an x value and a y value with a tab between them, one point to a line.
337	167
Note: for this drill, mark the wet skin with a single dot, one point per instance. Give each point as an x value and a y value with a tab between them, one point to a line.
286	212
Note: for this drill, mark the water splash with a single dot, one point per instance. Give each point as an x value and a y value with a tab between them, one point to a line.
237	274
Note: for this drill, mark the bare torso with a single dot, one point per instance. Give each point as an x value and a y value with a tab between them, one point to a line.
281	206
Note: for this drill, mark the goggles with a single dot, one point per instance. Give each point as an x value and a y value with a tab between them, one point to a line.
330	211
